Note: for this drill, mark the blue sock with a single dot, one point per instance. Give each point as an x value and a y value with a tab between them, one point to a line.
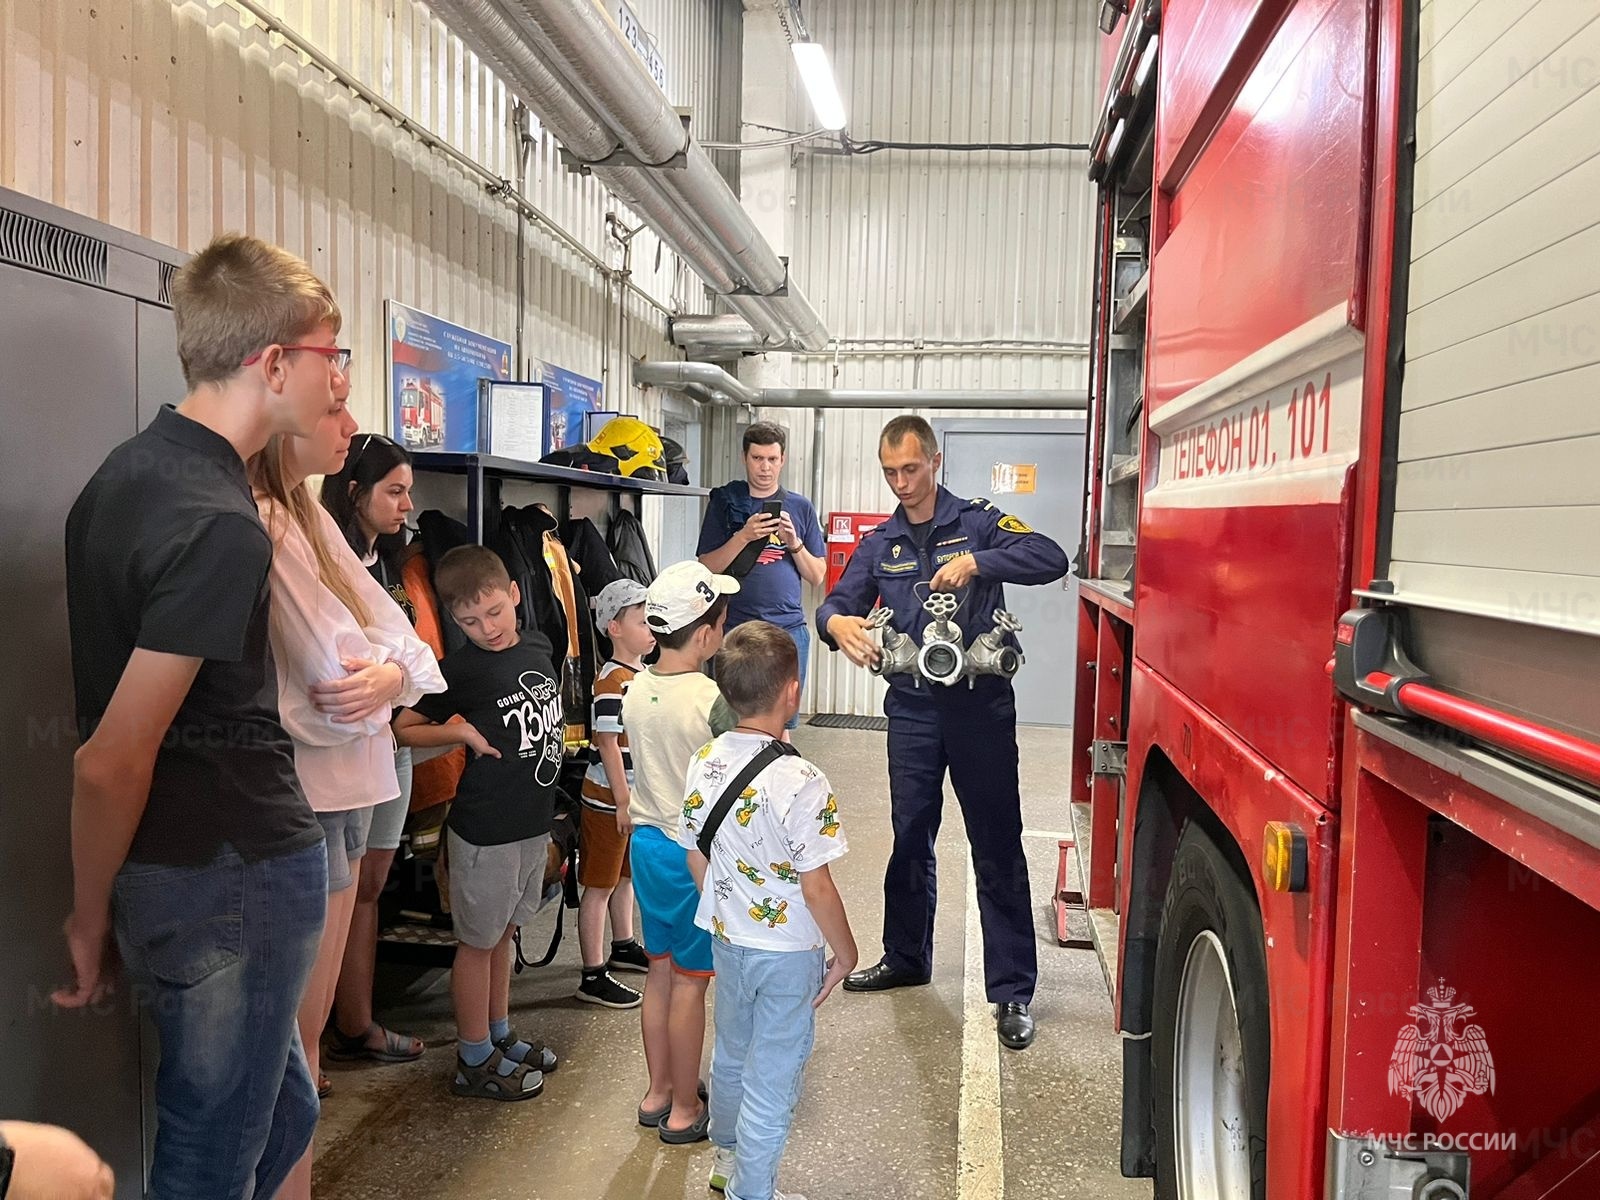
475	1054
517	1051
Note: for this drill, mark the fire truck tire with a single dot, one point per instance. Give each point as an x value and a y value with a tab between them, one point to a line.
1210	1039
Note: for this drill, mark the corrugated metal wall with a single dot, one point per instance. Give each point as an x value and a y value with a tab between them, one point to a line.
179	119
916	244
902	245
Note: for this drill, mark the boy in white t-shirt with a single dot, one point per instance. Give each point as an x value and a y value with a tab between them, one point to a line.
770	903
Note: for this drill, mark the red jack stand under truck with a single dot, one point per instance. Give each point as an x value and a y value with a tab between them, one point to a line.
1337	747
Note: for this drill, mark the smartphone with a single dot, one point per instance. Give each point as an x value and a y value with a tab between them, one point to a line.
772	508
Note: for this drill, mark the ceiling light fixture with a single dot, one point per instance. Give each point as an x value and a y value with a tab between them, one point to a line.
817	75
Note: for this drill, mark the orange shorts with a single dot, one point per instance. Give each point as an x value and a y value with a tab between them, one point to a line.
603	859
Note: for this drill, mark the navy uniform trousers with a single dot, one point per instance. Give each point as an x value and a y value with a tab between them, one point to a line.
972	735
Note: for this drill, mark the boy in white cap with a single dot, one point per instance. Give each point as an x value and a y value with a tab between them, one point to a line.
607	793
670	711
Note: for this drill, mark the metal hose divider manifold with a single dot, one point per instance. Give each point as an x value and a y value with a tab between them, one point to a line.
943	658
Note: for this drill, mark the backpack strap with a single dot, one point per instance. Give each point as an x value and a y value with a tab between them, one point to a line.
764	758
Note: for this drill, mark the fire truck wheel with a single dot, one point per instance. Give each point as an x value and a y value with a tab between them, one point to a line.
1210	1041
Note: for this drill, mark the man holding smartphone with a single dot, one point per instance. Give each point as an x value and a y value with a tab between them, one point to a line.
767	538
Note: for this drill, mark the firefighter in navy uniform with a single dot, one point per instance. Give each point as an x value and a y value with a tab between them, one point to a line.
938	542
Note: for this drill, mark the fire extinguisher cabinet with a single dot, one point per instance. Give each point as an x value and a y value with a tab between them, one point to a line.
845	531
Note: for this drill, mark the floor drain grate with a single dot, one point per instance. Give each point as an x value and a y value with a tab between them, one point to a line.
845	721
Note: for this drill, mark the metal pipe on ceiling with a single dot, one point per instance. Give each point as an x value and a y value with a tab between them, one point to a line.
711	384
569	63
725	336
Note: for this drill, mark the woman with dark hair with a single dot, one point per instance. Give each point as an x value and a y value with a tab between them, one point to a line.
368	499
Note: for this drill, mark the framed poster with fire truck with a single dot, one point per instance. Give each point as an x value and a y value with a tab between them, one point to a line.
434	370
1336	787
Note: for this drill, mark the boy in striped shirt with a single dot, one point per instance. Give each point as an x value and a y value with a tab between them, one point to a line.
603	861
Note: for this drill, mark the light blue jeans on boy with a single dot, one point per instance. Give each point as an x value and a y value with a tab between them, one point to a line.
765	1030
220	955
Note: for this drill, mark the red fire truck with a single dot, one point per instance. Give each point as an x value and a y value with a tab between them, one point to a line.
421	414
1337	748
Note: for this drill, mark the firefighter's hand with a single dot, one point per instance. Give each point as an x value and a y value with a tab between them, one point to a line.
955	574
759	527
852	637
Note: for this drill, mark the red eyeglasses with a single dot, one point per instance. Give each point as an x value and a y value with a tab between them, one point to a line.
337	355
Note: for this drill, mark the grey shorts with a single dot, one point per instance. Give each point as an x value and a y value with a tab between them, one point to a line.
346	832
389	818
495	887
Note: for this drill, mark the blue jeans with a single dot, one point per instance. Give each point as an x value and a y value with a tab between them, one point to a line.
802	642
220	954
765	1030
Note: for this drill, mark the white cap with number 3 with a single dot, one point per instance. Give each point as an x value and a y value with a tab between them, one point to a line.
682	594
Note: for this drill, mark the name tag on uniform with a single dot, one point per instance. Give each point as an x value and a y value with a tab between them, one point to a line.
941	559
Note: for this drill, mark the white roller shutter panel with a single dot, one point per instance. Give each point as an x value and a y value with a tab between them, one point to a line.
1497	492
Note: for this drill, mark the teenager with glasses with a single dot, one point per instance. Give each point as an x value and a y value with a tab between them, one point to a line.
369	499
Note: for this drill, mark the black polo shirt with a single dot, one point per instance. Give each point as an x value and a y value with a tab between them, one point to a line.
166	552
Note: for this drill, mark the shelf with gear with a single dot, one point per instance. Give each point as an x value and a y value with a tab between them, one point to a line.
498	494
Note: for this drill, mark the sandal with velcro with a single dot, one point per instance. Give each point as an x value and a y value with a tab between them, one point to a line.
540	1058
485	1082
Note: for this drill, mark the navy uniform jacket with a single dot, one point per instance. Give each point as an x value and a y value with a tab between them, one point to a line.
888	564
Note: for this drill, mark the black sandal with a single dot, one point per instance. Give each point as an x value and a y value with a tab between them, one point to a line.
652	1120
485	1082
540	1058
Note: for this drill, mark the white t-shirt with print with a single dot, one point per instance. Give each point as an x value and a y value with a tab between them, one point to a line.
785	823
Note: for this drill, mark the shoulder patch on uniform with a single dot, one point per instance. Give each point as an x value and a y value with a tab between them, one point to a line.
1014	525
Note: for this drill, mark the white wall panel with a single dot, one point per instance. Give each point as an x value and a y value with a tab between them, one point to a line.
180	119
939	244
1496	500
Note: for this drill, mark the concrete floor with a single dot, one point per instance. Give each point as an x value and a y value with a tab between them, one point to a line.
888	1098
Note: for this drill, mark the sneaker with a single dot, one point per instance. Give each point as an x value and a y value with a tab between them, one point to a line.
721	1169
629	956
602	989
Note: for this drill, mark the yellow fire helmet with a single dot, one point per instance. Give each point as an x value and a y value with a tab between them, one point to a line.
635	446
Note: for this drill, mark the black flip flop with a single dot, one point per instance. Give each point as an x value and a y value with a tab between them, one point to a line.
699	1131
652	1120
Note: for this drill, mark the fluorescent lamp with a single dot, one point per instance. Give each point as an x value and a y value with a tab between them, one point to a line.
817	75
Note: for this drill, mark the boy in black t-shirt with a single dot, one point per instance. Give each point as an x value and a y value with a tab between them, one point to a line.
506	687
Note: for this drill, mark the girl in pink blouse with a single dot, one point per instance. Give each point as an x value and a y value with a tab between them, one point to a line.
346	656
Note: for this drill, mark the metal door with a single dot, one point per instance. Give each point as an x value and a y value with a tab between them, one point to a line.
1032	469
68	397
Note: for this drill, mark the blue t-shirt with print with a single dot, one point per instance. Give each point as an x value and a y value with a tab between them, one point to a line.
771	591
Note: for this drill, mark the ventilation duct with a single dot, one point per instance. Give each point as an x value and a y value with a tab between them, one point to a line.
710	384
715	337
568	62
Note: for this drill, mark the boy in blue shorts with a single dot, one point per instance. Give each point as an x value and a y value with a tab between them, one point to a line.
670	711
